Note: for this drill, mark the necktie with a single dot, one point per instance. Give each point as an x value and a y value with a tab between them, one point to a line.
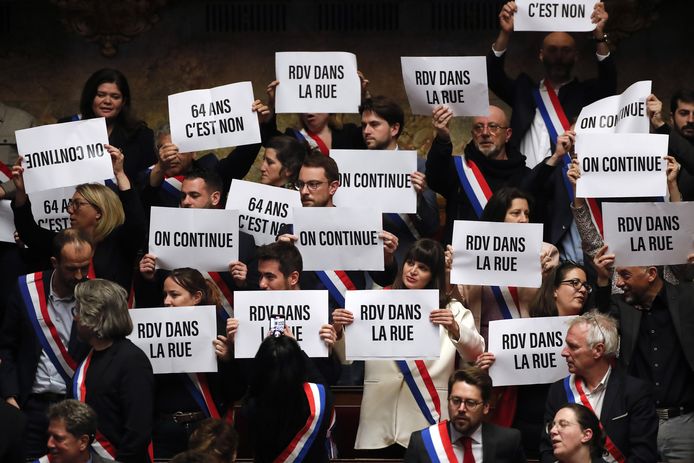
467	450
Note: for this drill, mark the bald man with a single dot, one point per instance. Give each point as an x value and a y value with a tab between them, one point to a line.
525	96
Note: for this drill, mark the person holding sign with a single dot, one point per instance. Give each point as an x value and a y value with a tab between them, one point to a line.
115	222
107	94
623	404
282	161
394	406
179	397
11	119
543	112
116	377
289	406
576	435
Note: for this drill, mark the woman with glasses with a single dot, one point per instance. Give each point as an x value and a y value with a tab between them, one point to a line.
576	435
389	410
114	221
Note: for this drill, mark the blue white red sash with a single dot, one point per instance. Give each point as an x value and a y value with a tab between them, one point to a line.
574	394
225	293
422	387
437	443
171	185
404	224
299	446
5	173
101	445
507	300
337	282
200	390
473	182
33	294
313	140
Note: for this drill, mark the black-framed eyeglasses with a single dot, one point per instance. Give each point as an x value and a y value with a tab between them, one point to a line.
493	128
313	185
470	404
576	284
75	204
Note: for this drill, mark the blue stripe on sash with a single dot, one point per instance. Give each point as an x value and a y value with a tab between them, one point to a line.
409	379
429	446
476	206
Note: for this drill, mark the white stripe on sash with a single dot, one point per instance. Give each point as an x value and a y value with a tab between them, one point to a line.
300	445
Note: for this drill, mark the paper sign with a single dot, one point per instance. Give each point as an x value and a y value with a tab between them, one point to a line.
213	118
62	155
376	179
176	339
50	208
339	238
392	325
304	313
6	222
204	239
649	233
554	15
459	82
263	209
528	350
494	253
625	113
621	165
323	82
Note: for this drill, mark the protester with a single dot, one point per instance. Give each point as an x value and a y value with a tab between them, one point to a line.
576	435
116	377
11	119
282	161
71	432
389	408
215	438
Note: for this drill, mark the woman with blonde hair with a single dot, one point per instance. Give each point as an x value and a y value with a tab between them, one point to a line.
115	221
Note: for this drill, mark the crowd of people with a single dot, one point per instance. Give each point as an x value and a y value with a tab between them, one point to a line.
76	389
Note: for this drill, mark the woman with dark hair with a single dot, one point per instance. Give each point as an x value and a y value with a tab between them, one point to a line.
107	94
508	204
289	408
282	161
116	377
576	435
564	292
216	438
389	410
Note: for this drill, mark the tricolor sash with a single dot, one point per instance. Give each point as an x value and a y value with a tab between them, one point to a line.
422	387
574	394
404	224
437	443
101	444
196	383
507	300
227	295
473	182
313	140
33	294
171	185
301	443
337	282
5	173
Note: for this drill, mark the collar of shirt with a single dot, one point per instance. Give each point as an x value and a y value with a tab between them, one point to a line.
602	384
54	297
476	436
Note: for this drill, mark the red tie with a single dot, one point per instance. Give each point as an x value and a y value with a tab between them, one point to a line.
468	457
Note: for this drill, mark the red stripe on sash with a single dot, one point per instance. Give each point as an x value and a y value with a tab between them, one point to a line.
447	444
480	179
319	141
557	106
223	287
609	445
426	377
49	323
344	278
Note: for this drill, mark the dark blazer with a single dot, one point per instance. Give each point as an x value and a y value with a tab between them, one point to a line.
573	96
499	445
138	147
20	349
628	417
12	424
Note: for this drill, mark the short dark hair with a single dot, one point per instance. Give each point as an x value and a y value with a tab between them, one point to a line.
211	178
69	236
79	418
286	254
474	376
500	202
587	420
215	437
328	164
685	95
386	108
290	153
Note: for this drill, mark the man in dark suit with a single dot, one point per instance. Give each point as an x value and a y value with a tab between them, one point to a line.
623	404
39	348
656	324
465	437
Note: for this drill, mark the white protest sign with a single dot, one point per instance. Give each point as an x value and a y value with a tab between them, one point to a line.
554	15
6	222
304	313
459	82
496	253
376	179
325	82
263	209
204	239
625	113
176	339
213	118
528	350
50	208
392	325
621	165
339	238
649	233
67	154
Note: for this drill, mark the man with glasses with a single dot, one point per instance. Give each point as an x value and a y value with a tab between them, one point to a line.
623	404
464	437
39	349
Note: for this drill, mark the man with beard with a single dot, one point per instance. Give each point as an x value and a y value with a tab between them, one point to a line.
531	101
464	433
39	349
657	346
